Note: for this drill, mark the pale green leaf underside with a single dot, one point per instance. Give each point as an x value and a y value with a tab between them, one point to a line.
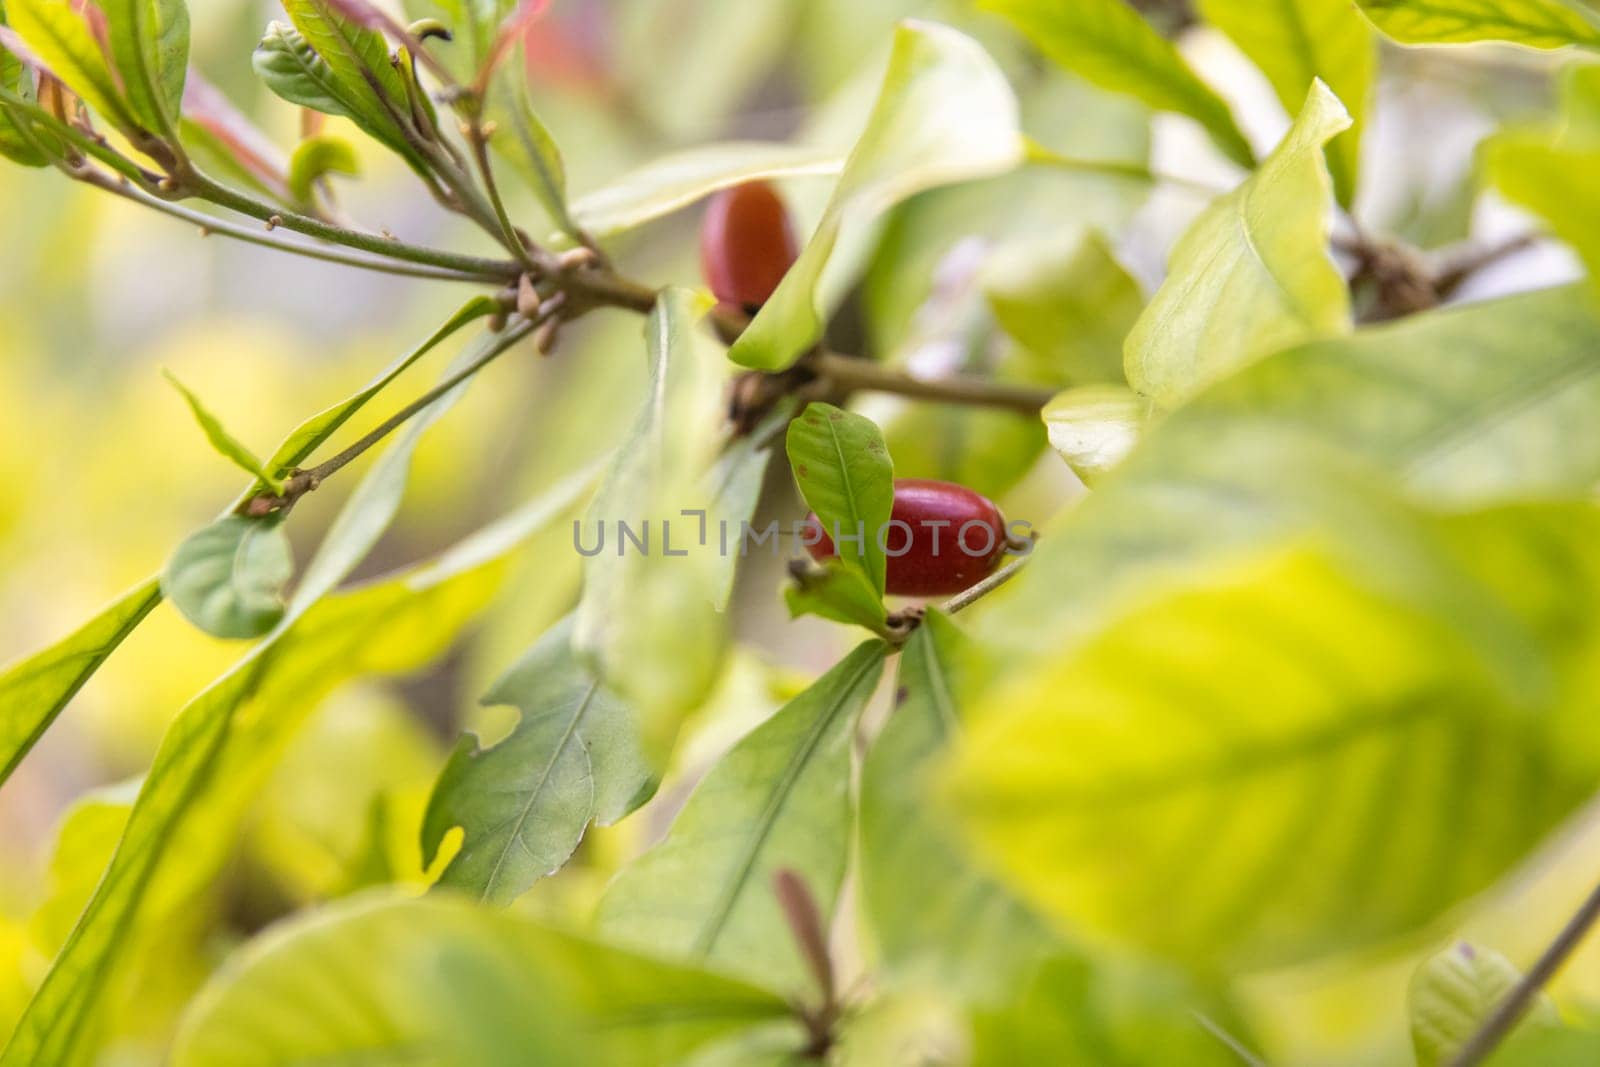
1111	45
1252	275
1094	426
675	181
779	799
1533	23
1295	42
228	578
944	114
439	982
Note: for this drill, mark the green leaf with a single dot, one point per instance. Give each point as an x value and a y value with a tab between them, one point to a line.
1532	23
837	591
1465	406
311	434
215	752
14	77
1296	42
1269	732
963	931
291	60
439	981
779	799
847	478
944	114
1111	45
228	578
315	158
1454	992
1070	305
525	803
1252	275
675	181
1111	1015
1094	427
60	35
523	139
226	445
1552	172
648	620
150	45
34	690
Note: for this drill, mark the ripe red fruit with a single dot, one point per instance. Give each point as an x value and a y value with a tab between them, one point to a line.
941	538
746	244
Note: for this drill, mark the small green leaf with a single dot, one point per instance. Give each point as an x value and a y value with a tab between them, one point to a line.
648	620
1095	426
1071	305
847	478
228	578
673	182
1295	42
316	157
150	45
839	592
14	78
525	803
34	690
226	445
1252	275
1531	23
1454	992
440	981
59	33
1110	44
779	799
944	114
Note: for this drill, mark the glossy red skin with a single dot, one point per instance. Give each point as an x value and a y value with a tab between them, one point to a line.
746	244
917	569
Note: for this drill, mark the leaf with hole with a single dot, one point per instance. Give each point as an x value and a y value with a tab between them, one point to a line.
523	804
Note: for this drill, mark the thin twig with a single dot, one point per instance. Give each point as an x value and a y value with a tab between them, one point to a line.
849	374
222	196
1234	1045
211	225
1453	275
967	597
305	481
478	140
1510	1011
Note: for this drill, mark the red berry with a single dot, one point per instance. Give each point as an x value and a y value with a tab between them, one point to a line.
746	244
941	538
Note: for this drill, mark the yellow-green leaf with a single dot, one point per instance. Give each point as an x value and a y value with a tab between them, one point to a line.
1453	993
59	33
440	982
316	157
226	445
1110	44
1252	275
1095	426
944	114
1533	23
1295	42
